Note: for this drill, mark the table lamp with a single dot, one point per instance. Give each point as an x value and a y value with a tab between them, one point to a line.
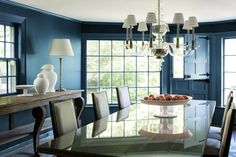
61	47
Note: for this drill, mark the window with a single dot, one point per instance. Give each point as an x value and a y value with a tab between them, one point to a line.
178	61
8	59
109	66
229	70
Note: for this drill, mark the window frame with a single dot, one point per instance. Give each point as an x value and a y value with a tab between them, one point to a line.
7	60
19	24
223	71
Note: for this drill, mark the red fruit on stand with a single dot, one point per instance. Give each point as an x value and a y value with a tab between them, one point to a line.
185	97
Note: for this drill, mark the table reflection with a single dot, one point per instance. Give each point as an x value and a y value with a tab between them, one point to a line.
66	142
122	114
135	131
166	130
99	126
140	122
150	127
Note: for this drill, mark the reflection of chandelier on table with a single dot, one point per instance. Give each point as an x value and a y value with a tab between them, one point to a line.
158	47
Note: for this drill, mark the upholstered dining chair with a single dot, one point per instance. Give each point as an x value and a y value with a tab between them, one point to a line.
65	115
216	132
123	97
100	105
221	148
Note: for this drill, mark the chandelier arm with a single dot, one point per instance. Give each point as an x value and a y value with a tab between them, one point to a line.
159	12
172	48
177	36
187	53
159	21
193	38
127	38
186	45
142	39
131	38
150	37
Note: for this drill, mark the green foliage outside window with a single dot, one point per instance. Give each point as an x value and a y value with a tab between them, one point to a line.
110	65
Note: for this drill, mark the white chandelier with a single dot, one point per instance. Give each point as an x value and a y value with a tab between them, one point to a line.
157	31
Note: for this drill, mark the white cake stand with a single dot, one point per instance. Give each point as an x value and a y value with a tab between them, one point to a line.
25	88
164	105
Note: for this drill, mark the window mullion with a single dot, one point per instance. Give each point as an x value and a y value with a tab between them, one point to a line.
7	79
99	67
4	41
136	75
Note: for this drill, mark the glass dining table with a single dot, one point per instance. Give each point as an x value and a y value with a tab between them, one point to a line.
136	131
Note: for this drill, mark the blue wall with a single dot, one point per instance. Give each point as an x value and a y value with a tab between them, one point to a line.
41	28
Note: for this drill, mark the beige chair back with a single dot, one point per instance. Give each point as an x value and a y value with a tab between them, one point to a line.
227	133
100	103
227	107
64	115
123	97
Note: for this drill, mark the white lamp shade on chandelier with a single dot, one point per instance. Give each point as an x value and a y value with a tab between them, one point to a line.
142	27
61	47
125	24
151	18
187	25
178	18
193	21
131	20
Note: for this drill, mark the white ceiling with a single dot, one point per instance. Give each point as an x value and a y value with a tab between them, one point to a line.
117	10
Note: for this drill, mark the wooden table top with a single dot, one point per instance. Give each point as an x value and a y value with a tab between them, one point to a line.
14	103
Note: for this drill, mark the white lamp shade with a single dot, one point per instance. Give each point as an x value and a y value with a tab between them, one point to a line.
151	18
142	27
61	47
178	18
131	20
125	24
193	21
187	25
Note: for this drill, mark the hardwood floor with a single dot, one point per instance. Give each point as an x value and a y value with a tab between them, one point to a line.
27	151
